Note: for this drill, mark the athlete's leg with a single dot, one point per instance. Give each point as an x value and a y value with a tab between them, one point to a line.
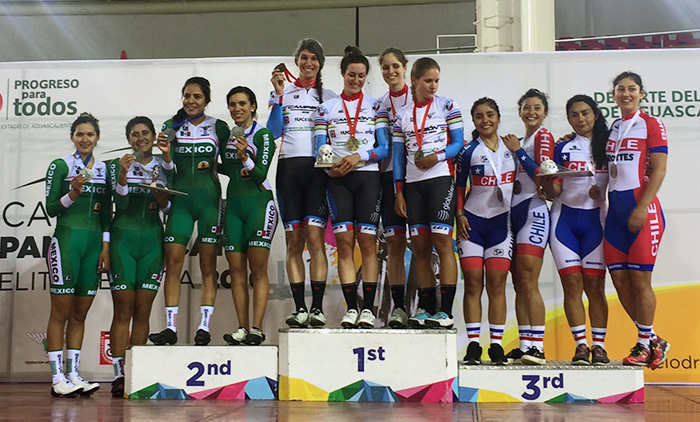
573	284
368	250
61	307
294	263
526	280
496	291
644	297
448	264
346	265
622	280
123	305
422	246
207	266
594	287
316	244
76	321
174	260
238	270
142	313
258	258
473	288
521	300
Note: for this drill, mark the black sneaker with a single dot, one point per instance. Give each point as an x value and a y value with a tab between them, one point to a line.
599	356
166	336
533	356
581	355
515	355
473	356
202	338
118	387
497	355
255	337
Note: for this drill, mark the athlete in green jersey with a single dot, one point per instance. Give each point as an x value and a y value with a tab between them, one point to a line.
194	150
136	252
251	216
77	194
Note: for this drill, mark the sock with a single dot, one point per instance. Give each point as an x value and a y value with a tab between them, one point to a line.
369	290
72	363
537	335
653	333
496	331
447	298
429	296
525	333
599	336
397	295
118	366
56	364
579	333
206	311
473	331
318	288
350	294
171	317
298	295
644	334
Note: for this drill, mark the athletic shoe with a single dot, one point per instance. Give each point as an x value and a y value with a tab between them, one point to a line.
639	356
533	356
418	320
202	338
118	387
65	388
88	388
317	319
659	349
439	320
299	319
515	355
497	355
398	318
366	319
349	319
255	337
599	356
166	336
581	355
237	337
473	356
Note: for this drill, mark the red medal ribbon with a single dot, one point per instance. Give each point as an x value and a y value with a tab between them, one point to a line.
403	92
419	135
352	126
298	82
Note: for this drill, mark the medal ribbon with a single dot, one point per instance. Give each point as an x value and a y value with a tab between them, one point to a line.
353	126
176	126
85	161
419	135
493	156
298	82
403	92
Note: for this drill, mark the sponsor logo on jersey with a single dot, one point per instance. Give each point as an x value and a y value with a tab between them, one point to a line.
203	166
296	96
204	130
97	207
55	270
484	159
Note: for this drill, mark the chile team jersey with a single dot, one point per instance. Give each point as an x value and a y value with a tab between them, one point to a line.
575	154
539	146
390	104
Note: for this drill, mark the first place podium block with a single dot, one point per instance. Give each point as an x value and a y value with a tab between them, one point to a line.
201	372
368	365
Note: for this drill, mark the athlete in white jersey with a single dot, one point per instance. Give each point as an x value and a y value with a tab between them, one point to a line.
427	135
301	188
485	242
576	238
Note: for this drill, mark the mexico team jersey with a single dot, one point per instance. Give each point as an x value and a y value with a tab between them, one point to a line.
488	171
194	152
249	177
299	107
539	146
575	154
443	115
331	121
390	104
92	209
136	208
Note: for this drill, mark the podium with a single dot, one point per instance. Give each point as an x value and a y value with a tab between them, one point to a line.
556	382
368	365
201	372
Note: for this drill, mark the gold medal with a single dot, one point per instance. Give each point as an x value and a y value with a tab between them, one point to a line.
594	192
517	187
418	155
499	194
352	144
613	170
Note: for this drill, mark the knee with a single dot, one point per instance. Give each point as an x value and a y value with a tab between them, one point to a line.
295	245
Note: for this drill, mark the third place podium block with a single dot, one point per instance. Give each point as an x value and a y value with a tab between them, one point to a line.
368	365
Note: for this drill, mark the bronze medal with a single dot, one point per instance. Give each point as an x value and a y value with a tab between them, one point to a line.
613	170
353	144
594	192
499	194
517	187
418	155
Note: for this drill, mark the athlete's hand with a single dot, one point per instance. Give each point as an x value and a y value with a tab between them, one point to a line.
103	260
164	145
347	164
427	162
400	204
277	81
547	187
77	185
637	219
125	163
512	142
463	227
161	198
566	137
241	144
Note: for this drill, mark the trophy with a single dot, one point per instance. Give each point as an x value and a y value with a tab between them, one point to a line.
154	187
326	157
550	168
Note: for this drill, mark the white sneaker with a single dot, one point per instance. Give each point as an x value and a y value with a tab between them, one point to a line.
366	319
65	388
237	337
418	320
88	388
317	319
349	319
299	319
398	318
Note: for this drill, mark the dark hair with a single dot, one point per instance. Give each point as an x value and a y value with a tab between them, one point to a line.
489	102
139	120
203	84
396	52
85	117
628	74
353	55
249	93
534	93
600	129
419	68
314	47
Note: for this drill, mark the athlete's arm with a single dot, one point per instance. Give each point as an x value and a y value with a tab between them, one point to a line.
55	202
265	145
378	152
275	122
